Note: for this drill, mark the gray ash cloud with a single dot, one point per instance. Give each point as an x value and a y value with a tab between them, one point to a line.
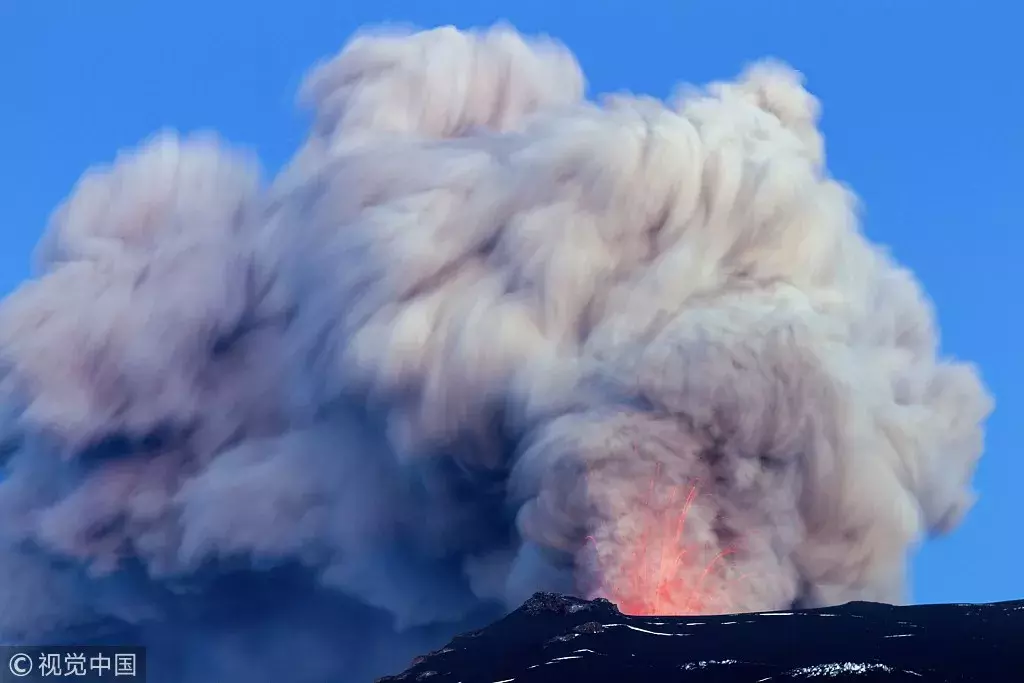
336	416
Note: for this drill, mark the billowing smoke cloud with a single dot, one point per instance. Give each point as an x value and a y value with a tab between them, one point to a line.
471	343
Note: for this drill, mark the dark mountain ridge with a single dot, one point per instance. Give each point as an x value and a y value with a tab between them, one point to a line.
558	638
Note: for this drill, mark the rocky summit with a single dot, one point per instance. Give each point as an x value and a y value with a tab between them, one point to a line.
558	638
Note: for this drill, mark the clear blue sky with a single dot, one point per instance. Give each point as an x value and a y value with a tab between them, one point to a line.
923	102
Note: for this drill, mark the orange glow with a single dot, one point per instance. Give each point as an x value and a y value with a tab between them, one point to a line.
668	575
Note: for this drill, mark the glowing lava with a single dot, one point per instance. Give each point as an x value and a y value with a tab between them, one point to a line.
667	574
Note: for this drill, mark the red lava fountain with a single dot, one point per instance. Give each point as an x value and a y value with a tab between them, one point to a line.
669	575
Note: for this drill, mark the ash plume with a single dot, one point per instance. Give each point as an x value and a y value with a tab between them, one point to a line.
469	344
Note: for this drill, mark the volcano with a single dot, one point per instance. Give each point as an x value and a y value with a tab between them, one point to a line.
483	335
558	638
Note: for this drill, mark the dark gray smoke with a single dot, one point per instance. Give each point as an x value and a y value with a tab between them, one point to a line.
471	343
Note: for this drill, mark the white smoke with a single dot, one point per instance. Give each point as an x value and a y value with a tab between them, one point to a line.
465	347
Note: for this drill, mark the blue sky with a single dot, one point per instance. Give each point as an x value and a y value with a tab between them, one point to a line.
922	102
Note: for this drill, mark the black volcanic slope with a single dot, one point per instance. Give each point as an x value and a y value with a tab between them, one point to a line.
557	638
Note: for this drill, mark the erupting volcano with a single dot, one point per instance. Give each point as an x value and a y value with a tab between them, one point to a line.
338	416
